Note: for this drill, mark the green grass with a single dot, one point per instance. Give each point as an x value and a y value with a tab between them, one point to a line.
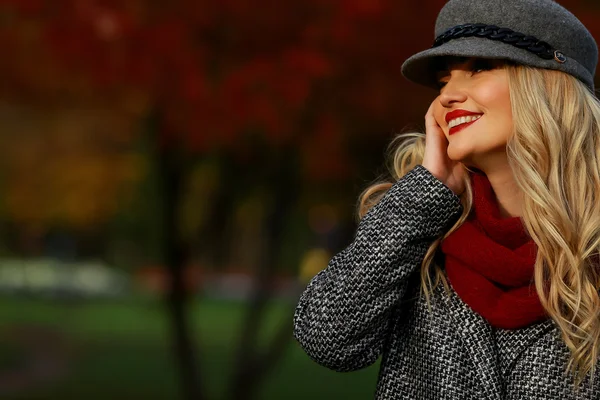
120	351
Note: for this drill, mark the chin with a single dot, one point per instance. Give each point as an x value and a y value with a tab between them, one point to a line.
455	154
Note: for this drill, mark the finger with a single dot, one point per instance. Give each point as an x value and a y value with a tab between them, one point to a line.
429	117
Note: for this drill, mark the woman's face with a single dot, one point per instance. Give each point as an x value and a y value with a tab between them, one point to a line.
474	112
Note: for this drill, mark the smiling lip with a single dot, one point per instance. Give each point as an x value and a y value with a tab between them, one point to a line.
460	127
458	114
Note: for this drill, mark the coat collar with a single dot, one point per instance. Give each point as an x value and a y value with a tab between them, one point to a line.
512	343
479	338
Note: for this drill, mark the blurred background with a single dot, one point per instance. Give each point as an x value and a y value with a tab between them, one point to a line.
173	172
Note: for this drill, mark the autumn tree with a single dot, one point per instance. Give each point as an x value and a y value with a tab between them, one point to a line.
285	93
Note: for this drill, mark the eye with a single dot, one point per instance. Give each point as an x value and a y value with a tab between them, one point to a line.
481	64
442	79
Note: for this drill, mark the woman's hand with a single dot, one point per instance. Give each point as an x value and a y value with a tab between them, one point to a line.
451	173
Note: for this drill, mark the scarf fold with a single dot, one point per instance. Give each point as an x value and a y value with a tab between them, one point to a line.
490	263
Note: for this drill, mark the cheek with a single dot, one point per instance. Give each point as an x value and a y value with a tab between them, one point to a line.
496	99
503	100
504	108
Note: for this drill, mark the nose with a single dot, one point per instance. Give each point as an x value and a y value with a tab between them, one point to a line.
455	91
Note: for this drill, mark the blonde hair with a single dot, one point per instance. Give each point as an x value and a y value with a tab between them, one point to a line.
554	154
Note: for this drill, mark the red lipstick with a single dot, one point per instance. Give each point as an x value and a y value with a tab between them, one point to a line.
458	114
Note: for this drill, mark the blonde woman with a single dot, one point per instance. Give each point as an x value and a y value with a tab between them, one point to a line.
474	273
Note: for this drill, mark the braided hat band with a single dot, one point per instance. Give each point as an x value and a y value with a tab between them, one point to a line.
505	35
536	33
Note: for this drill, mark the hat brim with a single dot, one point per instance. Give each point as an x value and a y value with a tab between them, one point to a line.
421	67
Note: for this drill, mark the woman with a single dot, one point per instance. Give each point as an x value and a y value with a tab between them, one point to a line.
475	273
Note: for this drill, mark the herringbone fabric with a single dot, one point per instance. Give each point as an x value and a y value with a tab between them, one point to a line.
367	304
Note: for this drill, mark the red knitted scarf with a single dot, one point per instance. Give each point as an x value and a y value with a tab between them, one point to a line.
489	262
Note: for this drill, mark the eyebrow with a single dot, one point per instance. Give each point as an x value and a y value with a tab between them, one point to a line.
441	73
445	64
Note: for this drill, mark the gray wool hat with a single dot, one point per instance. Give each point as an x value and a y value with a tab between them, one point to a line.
538	33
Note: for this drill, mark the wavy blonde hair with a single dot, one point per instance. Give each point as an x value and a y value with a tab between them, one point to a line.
554	153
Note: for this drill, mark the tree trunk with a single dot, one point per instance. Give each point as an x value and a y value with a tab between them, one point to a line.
253	365
170	171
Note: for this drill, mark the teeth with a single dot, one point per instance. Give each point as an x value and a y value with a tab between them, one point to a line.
463	120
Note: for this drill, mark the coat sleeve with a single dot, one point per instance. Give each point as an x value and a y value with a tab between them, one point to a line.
342	316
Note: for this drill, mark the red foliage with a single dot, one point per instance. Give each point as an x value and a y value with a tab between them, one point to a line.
218	69
262	64
326	152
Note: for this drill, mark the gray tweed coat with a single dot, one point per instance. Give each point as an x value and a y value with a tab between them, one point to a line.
367	304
